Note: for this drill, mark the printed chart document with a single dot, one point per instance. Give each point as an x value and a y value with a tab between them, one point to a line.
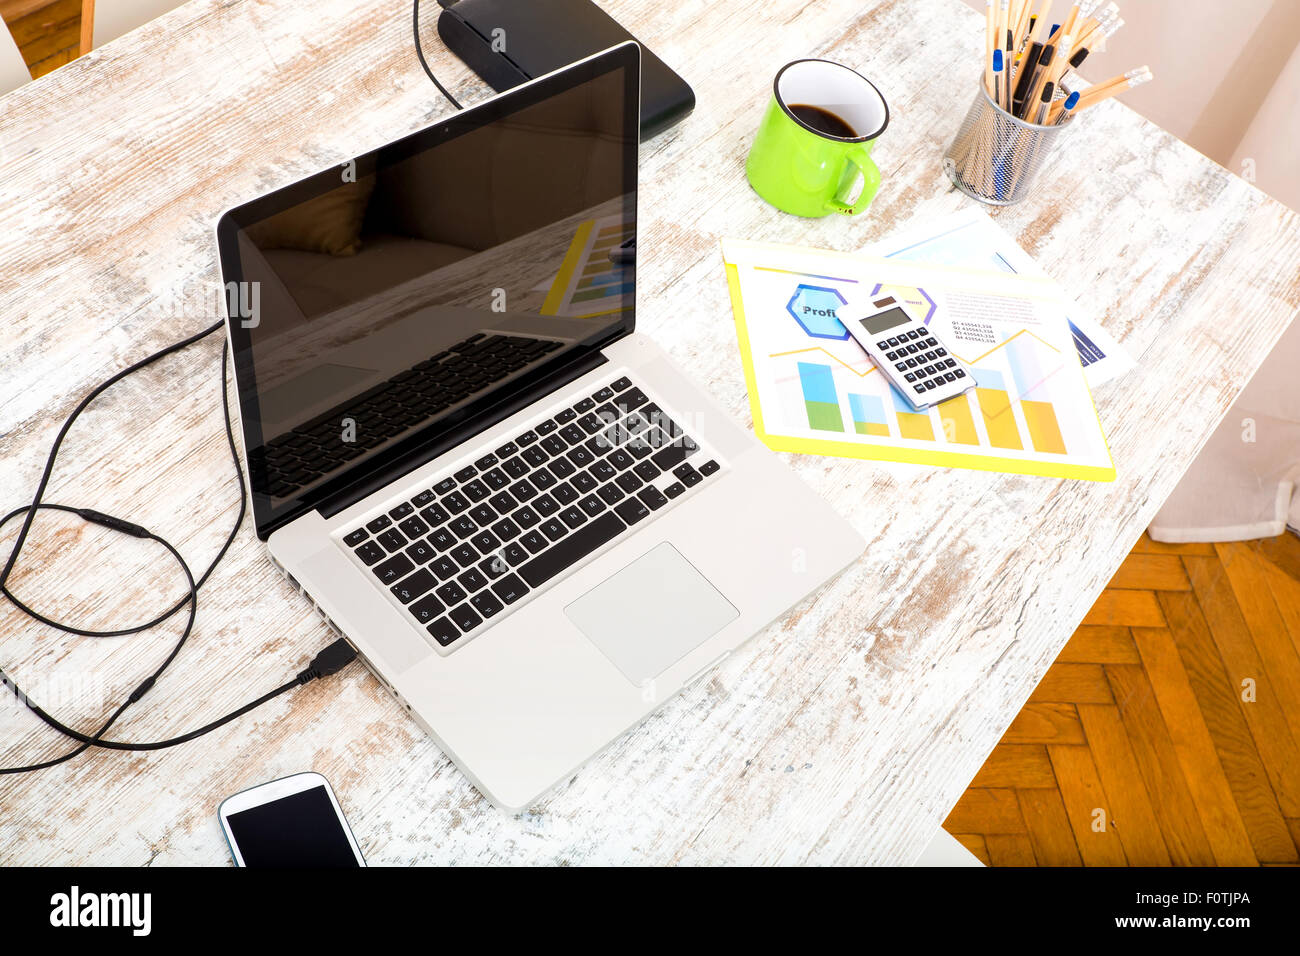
812	389
972	240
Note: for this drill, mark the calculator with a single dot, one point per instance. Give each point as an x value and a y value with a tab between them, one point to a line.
914	359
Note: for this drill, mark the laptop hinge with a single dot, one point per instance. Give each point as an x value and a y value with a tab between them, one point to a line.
407	463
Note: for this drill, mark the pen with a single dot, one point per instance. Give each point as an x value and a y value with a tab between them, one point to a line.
1045	103
1041	76
1061	111
998	78
1029	62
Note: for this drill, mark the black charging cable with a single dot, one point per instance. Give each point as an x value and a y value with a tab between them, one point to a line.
329	661
419	51
332	659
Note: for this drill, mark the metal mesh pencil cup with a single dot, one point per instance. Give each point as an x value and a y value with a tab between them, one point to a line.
996	156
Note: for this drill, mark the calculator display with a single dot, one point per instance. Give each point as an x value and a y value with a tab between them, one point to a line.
886	320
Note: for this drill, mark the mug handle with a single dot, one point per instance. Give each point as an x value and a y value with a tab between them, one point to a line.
860	158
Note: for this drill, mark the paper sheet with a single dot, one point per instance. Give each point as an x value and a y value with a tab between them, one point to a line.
972	240
813	390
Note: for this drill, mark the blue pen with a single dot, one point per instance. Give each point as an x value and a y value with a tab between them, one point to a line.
1071	102
998	64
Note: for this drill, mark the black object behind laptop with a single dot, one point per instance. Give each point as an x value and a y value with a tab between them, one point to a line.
508	42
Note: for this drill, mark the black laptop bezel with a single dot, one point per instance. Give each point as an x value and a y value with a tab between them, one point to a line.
436	438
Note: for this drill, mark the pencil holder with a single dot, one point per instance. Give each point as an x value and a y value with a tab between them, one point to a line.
996	156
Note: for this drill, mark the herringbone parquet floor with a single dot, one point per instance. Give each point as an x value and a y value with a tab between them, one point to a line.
1166	732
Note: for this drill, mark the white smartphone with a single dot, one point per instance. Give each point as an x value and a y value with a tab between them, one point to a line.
291	822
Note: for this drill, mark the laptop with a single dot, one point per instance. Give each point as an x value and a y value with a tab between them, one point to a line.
533	527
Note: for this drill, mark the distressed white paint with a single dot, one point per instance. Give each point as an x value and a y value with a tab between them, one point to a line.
842	734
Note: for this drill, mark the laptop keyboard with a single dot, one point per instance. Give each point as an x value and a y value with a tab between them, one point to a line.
459	553
408	399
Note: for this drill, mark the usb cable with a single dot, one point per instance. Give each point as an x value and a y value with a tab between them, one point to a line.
329	661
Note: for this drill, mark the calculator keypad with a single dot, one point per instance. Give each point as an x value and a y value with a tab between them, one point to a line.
921	362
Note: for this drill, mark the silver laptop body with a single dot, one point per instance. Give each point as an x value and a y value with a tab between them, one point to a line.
531	524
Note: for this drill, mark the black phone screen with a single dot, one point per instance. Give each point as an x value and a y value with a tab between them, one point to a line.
300	830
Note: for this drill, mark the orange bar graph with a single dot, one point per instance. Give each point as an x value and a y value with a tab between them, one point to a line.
1044	430
958	425
995	406
915	426
999	422
912	424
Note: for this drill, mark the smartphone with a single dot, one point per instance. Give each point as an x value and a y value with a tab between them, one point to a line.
291	822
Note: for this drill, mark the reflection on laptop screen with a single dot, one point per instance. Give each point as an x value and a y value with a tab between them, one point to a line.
385	302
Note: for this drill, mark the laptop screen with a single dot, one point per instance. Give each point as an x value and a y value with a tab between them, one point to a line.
390	306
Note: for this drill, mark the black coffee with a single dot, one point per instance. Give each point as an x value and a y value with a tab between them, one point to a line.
823	121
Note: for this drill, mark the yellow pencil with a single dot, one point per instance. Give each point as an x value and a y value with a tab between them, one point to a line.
1114	87
1022	26
1043	24
990	31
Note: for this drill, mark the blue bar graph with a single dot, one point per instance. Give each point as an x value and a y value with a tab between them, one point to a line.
820	400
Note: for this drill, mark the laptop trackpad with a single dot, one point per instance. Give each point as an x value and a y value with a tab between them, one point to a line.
652	613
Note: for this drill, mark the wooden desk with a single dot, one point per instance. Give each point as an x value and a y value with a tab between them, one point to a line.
844	732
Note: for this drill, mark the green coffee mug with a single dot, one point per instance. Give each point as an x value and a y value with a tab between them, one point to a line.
813	148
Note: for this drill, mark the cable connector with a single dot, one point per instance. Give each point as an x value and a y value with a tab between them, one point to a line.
141	690
117	524
329	661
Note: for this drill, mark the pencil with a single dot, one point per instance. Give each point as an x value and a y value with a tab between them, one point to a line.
1065	45
1011	48
1099	24
1022	24
1115	81
1067	28
1114	87
1028	20
1039	34
1088	35
988	44
1004	14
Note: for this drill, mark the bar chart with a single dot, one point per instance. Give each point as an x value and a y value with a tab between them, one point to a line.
1028	411
819	396
1012	401
868	414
